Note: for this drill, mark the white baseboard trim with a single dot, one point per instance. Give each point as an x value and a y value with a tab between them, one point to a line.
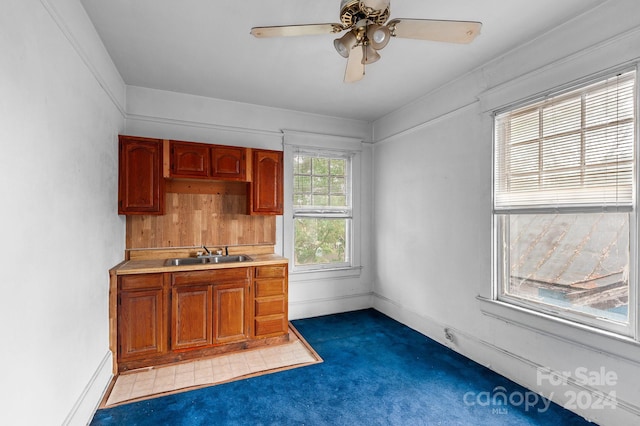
85	407
578	397
329	305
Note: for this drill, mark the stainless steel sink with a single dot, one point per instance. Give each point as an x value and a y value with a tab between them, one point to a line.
206	259
228	259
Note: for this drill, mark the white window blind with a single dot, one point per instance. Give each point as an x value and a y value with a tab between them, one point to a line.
575	149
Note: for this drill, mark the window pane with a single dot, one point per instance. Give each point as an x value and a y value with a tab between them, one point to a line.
577	262
338	185
612	103
320	200
338	167
524	127
609	144
302	200
320	182
302	165
320	185
301	184
561	152
320	241
320	166
562	117
338	201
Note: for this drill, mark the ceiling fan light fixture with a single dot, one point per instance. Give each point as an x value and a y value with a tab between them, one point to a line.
378	35
345	43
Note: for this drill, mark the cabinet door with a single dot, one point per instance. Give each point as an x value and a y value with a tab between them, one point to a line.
140	181
189	159
228	163
141	317
230	312
191	324
267	184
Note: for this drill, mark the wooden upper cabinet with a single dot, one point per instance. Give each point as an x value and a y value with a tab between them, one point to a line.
189	159
144	163
140	181
267	183
228	163
205	161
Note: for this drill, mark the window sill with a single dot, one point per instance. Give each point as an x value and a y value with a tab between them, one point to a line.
585	336
319	274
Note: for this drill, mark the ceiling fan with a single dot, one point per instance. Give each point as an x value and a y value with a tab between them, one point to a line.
368	33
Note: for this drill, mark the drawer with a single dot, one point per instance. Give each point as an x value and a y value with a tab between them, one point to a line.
270	306
141	281
210	277
276	271
270	287
271	326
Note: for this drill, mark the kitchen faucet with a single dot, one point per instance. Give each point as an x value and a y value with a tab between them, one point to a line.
218	251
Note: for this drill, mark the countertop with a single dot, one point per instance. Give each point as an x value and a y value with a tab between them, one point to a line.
146	266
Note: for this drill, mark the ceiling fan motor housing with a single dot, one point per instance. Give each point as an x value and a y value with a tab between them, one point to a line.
352	11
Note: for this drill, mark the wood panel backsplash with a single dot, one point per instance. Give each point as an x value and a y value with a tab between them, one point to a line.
194	219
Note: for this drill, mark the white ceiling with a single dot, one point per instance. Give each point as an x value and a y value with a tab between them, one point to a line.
203	47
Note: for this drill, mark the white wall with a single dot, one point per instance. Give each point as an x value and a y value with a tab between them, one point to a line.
432	214
61	108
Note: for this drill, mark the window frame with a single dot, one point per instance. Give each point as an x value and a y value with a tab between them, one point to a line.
500	256
327	212
297	140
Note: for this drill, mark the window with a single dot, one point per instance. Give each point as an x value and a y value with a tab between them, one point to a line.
564	203
322	210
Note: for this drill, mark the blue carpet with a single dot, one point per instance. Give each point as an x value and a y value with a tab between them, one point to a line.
376	371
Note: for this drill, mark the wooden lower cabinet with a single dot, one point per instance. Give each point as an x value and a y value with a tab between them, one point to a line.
141	316
230	313
208	307
191	316
169	317
270	301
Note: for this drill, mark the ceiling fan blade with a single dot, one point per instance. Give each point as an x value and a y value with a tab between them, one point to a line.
296	30
355	67
435	30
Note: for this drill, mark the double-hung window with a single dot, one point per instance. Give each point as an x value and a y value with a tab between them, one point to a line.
322	210
565	204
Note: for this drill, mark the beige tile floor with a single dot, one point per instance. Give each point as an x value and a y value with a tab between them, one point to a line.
142	384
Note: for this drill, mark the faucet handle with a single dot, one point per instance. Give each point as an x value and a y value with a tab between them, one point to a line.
219	252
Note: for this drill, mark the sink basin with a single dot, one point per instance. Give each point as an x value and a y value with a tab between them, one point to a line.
228	259
206	259
185	261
